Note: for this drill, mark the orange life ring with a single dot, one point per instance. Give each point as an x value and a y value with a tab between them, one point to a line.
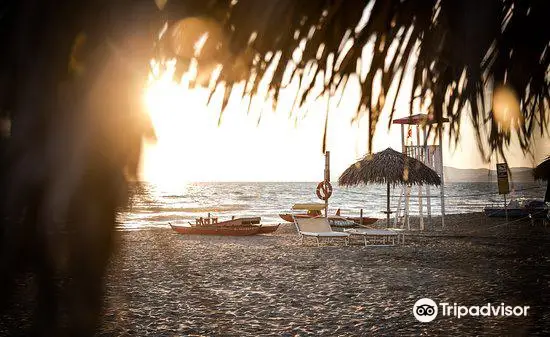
324	190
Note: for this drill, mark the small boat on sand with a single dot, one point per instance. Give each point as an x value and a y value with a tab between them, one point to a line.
233	227
215	230
334	220
266	229
366	220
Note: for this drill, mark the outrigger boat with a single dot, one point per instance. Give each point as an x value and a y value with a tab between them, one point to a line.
314	210
233	227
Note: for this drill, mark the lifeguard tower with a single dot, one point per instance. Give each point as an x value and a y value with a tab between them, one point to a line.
415	142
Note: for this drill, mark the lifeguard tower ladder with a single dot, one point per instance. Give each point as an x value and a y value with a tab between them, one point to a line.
429	154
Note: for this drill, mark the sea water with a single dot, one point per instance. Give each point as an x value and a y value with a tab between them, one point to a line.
154	206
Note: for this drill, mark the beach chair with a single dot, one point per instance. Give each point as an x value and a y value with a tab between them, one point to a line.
383	237
316	227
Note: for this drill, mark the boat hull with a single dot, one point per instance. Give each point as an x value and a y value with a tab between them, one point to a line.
217	230
366	220
499	212
288	217
266	229
355	219
239	222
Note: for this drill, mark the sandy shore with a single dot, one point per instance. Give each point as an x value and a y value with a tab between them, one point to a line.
164	284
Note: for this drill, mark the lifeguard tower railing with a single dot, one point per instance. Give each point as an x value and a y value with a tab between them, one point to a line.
428	154
431	155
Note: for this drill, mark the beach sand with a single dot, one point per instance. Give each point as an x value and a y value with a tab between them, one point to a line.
161	283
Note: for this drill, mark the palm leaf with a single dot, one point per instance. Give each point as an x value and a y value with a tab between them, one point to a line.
461	51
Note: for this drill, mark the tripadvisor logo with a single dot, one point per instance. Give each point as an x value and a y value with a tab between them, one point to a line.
426	310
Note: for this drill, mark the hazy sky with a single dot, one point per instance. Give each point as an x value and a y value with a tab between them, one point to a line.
276	147
282	145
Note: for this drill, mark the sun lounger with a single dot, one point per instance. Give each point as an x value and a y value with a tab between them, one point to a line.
378	236
317	227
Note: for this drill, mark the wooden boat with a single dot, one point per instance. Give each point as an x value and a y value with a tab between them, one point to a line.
266	229
216	230
233	227
366	220
331	218
288	217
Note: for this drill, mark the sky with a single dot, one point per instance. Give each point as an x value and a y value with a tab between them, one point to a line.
275	145
285	143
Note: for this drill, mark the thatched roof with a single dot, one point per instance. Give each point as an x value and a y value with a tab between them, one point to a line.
542	171
389	166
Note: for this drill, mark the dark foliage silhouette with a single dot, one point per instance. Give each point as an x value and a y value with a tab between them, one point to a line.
462	52
71	81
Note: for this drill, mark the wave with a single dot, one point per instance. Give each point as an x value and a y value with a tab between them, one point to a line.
247	197
164	218
217	208
197	209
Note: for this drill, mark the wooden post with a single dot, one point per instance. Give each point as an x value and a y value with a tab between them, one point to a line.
361	217
403	150
398	211
407	205
440	149
327	177
388	206
505	208
430	165
421	157
402	138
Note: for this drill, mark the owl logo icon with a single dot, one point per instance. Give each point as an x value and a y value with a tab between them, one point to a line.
425	310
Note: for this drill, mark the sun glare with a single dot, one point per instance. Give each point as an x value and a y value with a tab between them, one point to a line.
191	145
260	144
174	110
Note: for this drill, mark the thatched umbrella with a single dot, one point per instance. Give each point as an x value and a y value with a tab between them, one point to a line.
390	167
542	172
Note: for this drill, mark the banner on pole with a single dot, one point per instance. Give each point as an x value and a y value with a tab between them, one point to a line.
502	178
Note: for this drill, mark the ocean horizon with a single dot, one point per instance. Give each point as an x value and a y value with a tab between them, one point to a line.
154	206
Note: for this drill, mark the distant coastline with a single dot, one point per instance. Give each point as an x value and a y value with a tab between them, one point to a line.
452	175
482	175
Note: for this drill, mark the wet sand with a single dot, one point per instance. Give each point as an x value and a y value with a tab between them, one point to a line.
163	284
